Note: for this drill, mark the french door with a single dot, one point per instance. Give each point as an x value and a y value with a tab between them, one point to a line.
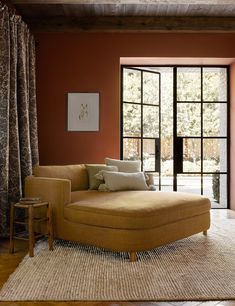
201	132
141	118
175	120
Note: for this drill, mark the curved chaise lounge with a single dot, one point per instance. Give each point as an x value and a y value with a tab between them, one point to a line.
129	221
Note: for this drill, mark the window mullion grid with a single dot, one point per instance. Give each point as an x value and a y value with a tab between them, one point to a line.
175	72
159	135
228	138
202	157
141	102
122	112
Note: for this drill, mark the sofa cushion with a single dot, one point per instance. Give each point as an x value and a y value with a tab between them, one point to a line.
116	181
124	165
92	170
133	209
77	174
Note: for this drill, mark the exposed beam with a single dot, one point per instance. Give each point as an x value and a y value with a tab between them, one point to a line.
132	24
169	2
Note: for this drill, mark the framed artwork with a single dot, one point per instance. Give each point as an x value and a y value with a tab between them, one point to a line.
83	111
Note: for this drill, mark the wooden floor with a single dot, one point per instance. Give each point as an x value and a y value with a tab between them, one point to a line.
8	263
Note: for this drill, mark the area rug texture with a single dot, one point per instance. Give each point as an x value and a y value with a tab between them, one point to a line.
195	268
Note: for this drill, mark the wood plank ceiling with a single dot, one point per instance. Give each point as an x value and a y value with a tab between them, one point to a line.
130	15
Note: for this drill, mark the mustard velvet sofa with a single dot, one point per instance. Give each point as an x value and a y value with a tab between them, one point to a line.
129	221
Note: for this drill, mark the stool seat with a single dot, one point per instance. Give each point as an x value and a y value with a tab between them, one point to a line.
29	222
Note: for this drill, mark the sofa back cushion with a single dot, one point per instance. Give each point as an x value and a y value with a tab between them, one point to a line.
77	174
128	166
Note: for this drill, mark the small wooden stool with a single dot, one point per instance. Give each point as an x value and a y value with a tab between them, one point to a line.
30	221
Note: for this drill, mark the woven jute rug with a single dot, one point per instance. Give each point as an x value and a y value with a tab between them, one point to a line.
195	268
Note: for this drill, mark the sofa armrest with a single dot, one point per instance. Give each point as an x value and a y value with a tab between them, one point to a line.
48	189
54	190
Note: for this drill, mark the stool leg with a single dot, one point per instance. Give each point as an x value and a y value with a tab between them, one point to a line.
205	233
50	227
12	217
31	232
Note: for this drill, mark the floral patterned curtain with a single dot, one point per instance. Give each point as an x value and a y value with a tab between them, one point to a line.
18	113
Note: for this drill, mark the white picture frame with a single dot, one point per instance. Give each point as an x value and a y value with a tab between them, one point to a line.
83	111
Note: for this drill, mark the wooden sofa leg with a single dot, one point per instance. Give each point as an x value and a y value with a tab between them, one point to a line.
133	256
205	233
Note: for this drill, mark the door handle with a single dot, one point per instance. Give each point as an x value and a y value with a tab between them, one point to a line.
157	155
178	155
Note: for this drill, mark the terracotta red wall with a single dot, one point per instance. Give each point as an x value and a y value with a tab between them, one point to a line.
68	63
90	62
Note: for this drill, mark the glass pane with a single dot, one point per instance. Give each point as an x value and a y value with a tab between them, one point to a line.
131	149
214	119
167	156
189	183
167	183
188	119
131	120
131	85
191	155
215	188
151	121
149	154
166	102
150	88
214	84
188	84
214	155
166	129
156	180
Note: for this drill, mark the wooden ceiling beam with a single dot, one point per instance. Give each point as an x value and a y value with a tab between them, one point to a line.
132	24
159	2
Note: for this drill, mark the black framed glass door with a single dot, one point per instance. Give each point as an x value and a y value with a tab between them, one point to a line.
175	120
201	132
141	118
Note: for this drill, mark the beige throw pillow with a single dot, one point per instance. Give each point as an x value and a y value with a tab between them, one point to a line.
128	166
93	169
116	181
